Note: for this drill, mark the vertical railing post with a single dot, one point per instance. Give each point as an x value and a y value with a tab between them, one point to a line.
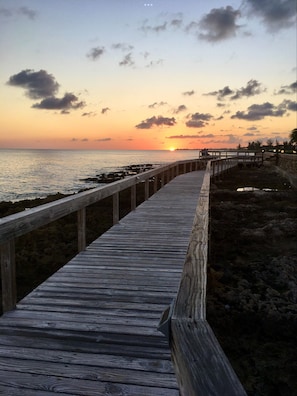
8	275
133	197
146	189
162	178
81	229
116	208
156	179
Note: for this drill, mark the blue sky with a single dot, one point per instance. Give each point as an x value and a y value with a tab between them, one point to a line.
133	74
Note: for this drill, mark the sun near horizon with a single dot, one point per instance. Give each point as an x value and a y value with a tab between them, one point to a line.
146	78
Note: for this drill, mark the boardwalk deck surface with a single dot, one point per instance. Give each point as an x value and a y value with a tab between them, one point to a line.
91	328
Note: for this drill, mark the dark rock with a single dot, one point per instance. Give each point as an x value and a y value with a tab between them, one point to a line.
252	292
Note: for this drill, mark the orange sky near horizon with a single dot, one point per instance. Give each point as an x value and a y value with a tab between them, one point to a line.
125	75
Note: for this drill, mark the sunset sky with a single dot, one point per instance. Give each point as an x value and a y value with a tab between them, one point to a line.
129	74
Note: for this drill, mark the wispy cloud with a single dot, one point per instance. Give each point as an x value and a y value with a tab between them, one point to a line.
122	46
127	60
209	135
252	88
180	109
21	11
146	27
289	105
28	12
287	89
189	93
156	121
157	104
198	120
96	53
104	110
89	114
103	139
221	93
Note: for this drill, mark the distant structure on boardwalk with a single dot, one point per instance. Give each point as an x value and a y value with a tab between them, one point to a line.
204	152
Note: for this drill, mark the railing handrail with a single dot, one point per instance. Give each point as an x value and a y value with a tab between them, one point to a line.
18	224
26	221
200	364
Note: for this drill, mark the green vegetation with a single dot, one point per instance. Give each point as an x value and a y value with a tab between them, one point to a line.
293	136
288	147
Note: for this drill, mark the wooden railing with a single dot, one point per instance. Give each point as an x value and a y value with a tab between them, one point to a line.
15	225
200	363
201	366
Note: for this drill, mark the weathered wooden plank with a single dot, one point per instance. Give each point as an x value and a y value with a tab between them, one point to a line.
21	316
143	365
201	365
81	229
152	350
190	300
107	304
8	279
91	283
91	328
88	372
12	391
37	383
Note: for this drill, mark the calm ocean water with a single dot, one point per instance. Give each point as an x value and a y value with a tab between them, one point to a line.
29	174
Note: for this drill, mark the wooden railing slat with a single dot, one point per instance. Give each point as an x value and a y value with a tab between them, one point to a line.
116	208
200	364
81	229
8	275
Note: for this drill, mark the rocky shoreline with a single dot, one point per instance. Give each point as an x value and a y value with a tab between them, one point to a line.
120	174
252	280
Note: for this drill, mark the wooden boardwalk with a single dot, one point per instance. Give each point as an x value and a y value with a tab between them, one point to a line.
91	328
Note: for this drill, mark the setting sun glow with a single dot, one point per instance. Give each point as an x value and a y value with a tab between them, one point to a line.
135	77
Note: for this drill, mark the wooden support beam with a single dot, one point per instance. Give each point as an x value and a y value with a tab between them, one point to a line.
146	189
133	197
8	275
116	208
81	229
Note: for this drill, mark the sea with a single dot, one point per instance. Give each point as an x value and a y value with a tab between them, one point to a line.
38	173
